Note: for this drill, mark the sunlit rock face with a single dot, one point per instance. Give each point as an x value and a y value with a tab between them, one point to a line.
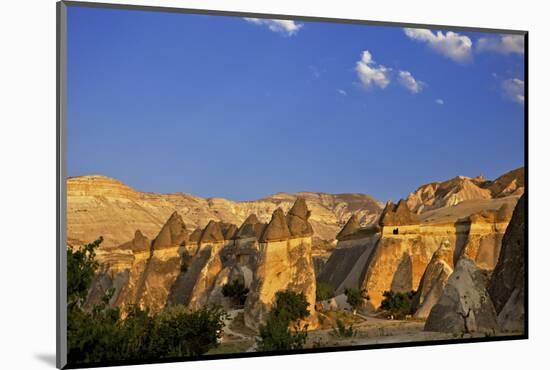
284	263
461	188
396	256
486	230
433	280
345	268
508	280
465	305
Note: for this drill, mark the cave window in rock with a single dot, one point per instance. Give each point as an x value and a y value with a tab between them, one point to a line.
396	231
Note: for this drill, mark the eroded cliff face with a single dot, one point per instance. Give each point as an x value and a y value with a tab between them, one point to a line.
99	205
507	285
397	256
433	280
465	305
402	251
179	267
284	263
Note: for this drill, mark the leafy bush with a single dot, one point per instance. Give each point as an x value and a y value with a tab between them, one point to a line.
179	332
342	331
356	297
275	335
235	290
324	291
397	304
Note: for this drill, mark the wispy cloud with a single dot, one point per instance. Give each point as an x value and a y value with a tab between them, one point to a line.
282	26
450	44
504	44
407	80
342	92
439	101
371	73
514	89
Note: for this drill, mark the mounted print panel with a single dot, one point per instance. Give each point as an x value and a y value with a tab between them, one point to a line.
235	185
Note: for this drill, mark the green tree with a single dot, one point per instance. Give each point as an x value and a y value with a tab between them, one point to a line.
180	332
288	310
235	290
356	298
343	331
324	291
397	304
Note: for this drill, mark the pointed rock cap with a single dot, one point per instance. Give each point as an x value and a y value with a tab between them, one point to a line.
229	230
173	233
251	227
389	208
195	236
277	229
349	228
398	215
212	233
140	243
297	219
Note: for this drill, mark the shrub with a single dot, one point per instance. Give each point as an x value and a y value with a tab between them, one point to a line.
178	332
342	331
356	297
235	290
275	335
397	304
324	291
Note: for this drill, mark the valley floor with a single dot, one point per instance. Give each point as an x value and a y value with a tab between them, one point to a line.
370	330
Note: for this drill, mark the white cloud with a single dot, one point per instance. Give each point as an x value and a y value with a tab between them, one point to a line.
410	83
439	101
514	89
342	92
285	27
505	44
452	45
370	73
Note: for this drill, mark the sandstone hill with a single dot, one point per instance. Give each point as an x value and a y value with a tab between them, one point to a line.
461	188
99	205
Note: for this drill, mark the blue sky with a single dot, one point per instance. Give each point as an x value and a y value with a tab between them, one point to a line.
243	108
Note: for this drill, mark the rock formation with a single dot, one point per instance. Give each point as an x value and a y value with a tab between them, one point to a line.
397	256
172	233
486	230
433	280
297	219
284	263
465	305
347	264
350	228
140	243
397	215
461	188
508	280
277	229
212	233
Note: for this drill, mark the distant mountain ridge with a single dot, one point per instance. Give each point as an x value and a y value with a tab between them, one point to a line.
461	188
99	205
